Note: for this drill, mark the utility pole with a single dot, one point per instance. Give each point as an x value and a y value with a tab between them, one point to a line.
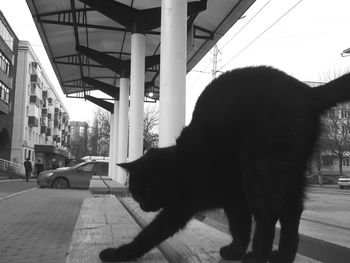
215	61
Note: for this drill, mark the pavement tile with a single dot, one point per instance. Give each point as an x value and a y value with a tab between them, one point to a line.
37	225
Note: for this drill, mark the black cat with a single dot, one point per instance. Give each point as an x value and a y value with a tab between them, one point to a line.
246	149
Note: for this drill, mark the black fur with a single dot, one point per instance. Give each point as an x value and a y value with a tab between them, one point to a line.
246	149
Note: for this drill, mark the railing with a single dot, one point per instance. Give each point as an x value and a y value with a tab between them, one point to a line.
9	167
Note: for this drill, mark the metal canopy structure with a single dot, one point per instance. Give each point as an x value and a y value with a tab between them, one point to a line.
88	41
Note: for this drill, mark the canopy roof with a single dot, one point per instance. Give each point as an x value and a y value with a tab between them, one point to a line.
89	41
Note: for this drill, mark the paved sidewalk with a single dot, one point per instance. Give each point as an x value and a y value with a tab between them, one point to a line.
37	226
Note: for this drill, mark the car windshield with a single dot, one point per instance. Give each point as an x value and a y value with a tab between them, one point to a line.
77	165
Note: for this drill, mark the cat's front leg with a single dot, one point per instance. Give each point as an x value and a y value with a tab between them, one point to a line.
166	224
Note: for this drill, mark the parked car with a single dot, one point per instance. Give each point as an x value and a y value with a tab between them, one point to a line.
344	181
77	176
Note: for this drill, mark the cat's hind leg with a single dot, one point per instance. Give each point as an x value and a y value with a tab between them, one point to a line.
289	236
239	218
265	221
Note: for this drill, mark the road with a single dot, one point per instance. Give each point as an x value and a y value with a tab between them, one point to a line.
36	223
10	187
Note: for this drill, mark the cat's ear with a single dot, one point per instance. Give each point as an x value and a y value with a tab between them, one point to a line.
126	166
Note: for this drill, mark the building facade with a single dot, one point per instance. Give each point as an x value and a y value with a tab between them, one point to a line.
332	157
8	61
40	126
78	131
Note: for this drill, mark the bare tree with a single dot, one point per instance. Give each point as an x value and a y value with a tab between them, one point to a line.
99	133
78	147
335	139
150	128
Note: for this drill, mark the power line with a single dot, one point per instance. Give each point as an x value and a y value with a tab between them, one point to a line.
239	31
200	71
261	34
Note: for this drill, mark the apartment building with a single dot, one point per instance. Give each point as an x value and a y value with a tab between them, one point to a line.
78	129
78	136
40	127
8	61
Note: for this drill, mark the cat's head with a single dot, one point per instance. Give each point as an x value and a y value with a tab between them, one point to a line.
150	178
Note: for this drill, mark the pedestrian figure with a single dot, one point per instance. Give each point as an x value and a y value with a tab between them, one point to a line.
28	168
39	167
54	164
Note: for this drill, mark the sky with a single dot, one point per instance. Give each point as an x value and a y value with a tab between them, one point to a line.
304	38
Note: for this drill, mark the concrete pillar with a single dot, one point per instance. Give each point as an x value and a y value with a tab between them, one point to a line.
123	128
172	71
137	82
115	140
111	145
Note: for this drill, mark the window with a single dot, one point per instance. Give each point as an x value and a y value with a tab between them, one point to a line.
345	161
4	64
327	161
87	167
6	35
32	88
4	93
81	130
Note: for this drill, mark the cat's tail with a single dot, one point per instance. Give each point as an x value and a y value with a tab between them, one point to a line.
328	95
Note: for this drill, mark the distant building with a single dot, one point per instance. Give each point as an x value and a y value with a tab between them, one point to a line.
78	138
8	61
78	129
40	118
335	141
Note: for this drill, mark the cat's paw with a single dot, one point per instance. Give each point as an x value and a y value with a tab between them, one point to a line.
277	257
120	254
231	252
251	258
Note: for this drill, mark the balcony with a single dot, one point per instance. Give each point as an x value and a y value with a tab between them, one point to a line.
43	112
43	121
4	107
44	94
55	123
48	132
43	129
33	121
56	138
33	78
34	99
49	116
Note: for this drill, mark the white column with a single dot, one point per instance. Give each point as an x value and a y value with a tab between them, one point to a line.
123	128
172	71
111	145
137	82
115	140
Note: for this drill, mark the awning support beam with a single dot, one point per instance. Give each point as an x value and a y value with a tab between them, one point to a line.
137	21
102	103
102	86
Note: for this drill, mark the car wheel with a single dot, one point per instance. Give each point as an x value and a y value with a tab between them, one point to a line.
60	183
